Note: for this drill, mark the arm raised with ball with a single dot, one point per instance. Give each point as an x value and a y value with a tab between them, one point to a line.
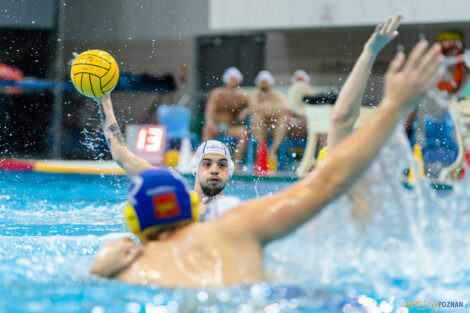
121	153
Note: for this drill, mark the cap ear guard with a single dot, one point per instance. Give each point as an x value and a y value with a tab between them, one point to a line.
231	165
231	168
131	219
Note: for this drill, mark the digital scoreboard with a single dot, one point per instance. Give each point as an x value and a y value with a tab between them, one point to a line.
147	141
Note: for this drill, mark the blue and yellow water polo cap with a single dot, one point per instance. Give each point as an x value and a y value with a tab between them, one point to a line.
158	198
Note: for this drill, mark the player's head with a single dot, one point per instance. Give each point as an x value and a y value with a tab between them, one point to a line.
159	200
232	77
264	80
212	167
300	76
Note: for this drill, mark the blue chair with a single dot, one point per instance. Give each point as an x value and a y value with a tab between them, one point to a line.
440	145
177	121
284	154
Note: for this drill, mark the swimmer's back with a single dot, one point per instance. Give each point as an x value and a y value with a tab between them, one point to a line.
207	254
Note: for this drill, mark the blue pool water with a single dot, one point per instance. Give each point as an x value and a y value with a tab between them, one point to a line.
413	245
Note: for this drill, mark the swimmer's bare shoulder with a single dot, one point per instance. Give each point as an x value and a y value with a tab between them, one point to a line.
226	92
206	254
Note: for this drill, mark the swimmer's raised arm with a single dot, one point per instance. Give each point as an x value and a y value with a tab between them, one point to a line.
121	153
274	216
347	107
114	256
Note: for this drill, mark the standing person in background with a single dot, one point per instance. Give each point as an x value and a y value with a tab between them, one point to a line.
300	87
269	110
222	115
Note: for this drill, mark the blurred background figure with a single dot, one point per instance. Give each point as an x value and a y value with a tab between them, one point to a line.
269	112
452	45
300	87
222	115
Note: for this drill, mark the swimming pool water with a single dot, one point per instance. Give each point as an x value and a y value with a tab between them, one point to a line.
412	245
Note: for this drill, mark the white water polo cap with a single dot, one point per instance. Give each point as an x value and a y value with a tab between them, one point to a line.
300	74
266	76
232	72
211	146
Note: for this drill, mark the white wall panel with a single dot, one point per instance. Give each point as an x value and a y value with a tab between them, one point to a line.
282	14
27	14
135	20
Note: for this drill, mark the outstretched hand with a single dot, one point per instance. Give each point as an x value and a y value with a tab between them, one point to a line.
384	33
406	81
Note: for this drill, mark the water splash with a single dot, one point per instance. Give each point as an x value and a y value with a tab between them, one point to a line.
412	242
407	244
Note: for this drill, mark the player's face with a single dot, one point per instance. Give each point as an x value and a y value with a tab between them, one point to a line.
264	84
213	174
233	82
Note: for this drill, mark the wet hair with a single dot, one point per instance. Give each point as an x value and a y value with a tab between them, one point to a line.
170	229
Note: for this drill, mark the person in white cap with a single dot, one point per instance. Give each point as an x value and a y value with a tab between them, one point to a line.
269	110
222	115
212	167
300	88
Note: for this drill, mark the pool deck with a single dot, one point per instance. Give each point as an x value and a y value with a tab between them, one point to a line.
110	167
107	167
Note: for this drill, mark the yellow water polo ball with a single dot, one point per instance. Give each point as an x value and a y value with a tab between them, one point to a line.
94	73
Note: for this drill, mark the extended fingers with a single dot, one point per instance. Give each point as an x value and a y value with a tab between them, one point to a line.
385	26
397	62
378	28
429	59
393	26
389	28
432	73
415	55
